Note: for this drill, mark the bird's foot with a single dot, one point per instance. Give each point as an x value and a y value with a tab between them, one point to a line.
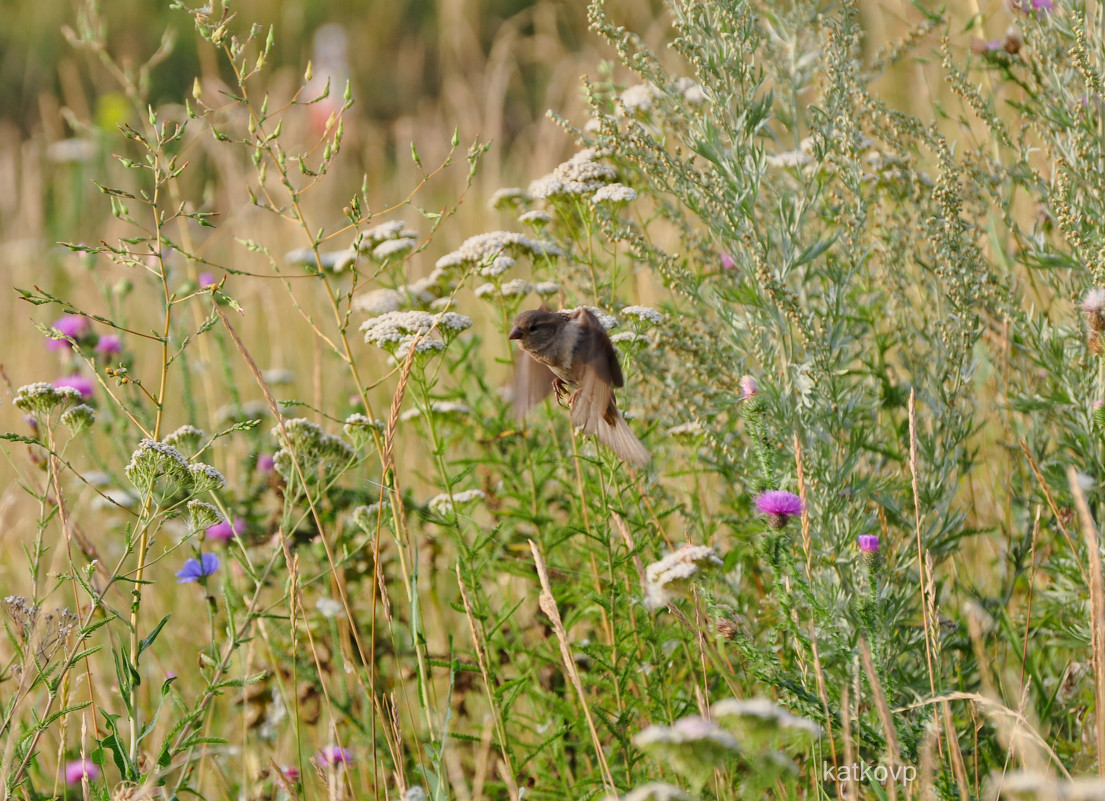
561	389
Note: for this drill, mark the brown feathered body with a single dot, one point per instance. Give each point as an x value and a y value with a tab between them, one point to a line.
573	349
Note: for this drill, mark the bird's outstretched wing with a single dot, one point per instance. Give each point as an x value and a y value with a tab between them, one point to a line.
532	382
593	408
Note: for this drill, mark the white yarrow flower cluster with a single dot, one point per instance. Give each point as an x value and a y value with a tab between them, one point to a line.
630	338
379	301
614	193
436	407
41	398
536	218
761	718
443	505
392	229
392	248
498	266
482	249
673	575
509	196
644	313
546	288
579	175
400	326
693	745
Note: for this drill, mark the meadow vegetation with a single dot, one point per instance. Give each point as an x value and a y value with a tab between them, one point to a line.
273	527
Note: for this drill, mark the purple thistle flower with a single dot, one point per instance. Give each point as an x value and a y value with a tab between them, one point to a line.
224	531
78	769
1043	5
869	543
207	279
334	755
108	344
748	386
195	569
265	463
291	772
779	506
78	382
72	325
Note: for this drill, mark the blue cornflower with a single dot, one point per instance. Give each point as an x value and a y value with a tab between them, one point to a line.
200	568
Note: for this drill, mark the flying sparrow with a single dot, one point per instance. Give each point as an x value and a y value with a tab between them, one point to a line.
571	349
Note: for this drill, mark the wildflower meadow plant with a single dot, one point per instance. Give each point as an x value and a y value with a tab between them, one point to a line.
863	350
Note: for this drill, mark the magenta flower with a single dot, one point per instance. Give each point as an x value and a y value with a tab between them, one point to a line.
195	569
869	543
779	506
78	769
72	325
108	344
291	772
727	262
207	279
224	531
333	755
748	386
265	463
78	382
1043	5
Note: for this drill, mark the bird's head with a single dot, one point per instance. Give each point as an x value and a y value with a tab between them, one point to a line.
536	329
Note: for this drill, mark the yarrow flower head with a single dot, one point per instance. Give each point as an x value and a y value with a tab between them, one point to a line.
644	314
198	569
79	418
615	193
359	428
312	447
205	478
763	722
482	249
202	516
153	460
82	384
390	330
79	769
185	439
579	175
779	506
40	398
694	746
393	248
444	506
508	197
674	574
73	326
546	288
537	218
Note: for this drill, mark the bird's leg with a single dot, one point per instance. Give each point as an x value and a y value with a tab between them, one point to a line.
561	389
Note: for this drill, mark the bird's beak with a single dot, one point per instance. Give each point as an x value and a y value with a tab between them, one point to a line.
515	333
